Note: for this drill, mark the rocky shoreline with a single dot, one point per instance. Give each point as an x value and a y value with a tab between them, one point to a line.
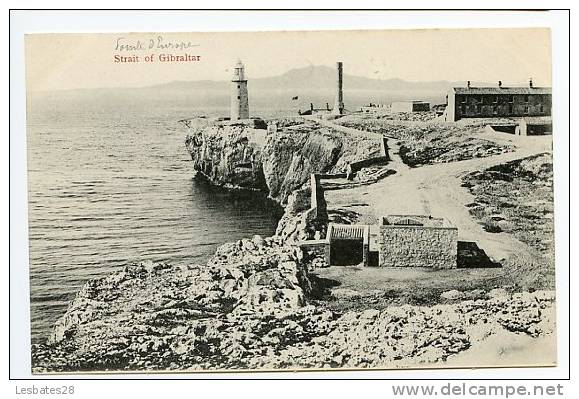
248	308
255	306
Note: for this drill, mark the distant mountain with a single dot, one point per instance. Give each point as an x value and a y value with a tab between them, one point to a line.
323	78
290	92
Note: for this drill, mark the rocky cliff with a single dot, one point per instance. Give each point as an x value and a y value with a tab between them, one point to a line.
239	155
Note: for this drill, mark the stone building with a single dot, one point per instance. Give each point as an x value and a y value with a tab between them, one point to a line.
316	111
534	126
239	96
417	241
397	241
497	102
410	106
375	108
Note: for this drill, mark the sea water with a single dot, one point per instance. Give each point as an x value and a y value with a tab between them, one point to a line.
110	183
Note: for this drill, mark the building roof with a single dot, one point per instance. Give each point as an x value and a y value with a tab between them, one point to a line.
410	102
415	220
537	120
347	231
502	90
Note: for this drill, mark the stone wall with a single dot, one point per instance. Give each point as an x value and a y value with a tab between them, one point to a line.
418	246
316	249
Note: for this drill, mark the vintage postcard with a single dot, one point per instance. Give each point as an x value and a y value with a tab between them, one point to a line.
377	199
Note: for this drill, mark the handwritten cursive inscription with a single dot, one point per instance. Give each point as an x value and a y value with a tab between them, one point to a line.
152	43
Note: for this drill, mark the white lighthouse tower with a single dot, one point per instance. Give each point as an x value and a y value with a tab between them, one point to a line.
239	98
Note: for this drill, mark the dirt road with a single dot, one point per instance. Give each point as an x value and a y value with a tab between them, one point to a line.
436	190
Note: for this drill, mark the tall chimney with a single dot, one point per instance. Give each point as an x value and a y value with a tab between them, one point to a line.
531	83
500	83
468	84
339	104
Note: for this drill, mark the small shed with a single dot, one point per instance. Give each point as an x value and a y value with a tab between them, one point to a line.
349	244
410	106
535	126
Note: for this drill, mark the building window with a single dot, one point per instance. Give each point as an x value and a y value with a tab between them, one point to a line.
239	97
495	110
463	109
495	99
510	109
526	109
239	86
511	98
526	99
542	108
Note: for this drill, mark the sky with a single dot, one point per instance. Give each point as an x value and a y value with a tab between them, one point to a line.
80	61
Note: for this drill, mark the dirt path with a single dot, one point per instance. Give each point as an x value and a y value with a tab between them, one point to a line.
436	190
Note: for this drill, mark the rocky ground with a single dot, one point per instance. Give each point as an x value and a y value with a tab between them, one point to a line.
256	306
407	116
516	197
251	307
428	141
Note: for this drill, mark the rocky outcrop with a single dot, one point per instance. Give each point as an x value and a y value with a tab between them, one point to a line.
254	306
156	316
276	162
427	141
248	309
228	155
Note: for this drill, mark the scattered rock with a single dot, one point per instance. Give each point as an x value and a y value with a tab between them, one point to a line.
498	293
452	295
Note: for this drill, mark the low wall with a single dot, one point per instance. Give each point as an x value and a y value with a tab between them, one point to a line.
316	213
418	246
317	198
356	166
314	181
310	216
327	176
316	248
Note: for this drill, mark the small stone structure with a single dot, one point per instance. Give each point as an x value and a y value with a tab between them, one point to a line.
316	111
401	241
535	126
349	244
410	106
417	241
527	126
373	108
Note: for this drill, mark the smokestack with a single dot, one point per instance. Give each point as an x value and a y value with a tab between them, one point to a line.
339	104
500	83
468	84
531	83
